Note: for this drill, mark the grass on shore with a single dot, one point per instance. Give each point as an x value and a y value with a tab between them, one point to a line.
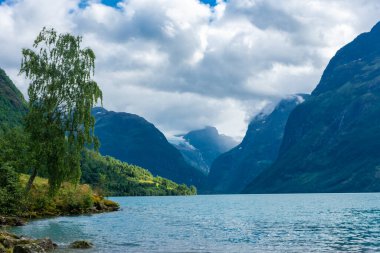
70	199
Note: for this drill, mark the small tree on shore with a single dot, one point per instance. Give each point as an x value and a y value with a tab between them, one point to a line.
61	96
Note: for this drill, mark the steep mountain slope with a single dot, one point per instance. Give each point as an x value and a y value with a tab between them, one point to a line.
201	147
134	140
332	141
234	170
12	103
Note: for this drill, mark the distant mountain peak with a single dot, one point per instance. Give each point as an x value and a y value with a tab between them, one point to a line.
200	147
207	130
209	136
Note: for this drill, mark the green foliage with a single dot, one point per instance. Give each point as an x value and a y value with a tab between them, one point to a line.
15	149
116	178
61	96
69	199
10	191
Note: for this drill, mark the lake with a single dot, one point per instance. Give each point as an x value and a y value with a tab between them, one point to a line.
225	223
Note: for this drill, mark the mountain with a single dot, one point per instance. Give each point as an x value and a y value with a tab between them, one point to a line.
234	170
12	103
332	141
191	154
201	147
132	139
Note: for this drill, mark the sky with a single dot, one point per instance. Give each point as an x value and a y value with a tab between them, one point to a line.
186	64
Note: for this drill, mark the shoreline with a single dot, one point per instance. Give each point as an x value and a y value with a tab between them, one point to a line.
10	242
100	205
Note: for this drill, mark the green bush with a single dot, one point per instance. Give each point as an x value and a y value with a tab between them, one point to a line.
15	149
74	199
11	195
70	199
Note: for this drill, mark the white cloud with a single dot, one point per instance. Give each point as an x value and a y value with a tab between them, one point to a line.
184	65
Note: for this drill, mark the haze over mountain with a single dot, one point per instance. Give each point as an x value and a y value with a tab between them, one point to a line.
332	141
191	155
234	170
201	147
132	139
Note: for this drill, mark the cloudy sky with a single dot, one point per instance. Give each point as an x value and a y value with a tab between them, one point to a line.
185	64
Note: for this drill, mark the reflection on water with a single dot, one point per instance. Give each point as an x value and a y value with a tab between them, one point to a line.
226	223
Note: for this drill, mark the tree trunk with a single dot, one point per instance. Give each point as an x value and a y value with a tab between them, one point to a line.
31	180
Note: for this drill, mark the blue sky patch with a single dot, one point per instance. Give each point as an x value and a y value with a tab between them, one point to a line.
113	3
210	2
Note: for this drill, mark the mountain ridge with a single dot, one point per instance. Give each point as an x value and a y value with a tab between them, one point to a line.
331	141
132	139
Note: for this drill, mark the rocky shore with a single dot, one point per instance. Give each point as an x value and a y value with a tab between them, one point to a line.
19	244
11	243
11	221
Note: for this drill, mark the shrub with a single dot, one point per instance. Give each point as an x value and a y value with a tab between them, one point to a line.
74	199
11	196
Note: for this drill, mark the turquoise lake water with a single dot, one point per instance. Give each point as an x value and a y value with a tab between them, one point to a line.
225	223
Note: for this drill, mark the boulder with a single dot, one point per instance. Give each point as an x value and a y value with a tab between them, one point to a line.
81	245
28	248
46	244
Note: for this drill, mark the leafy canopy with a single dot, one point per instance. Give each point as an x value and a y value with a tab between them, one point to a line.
61	96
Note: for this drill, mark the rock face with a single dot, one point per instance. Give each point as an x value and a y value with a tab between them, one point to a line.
332	141
134	140
12	103
234	170
201	147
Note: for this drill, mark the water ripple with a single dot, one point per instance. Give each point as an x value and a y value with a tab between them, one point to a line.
218	224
